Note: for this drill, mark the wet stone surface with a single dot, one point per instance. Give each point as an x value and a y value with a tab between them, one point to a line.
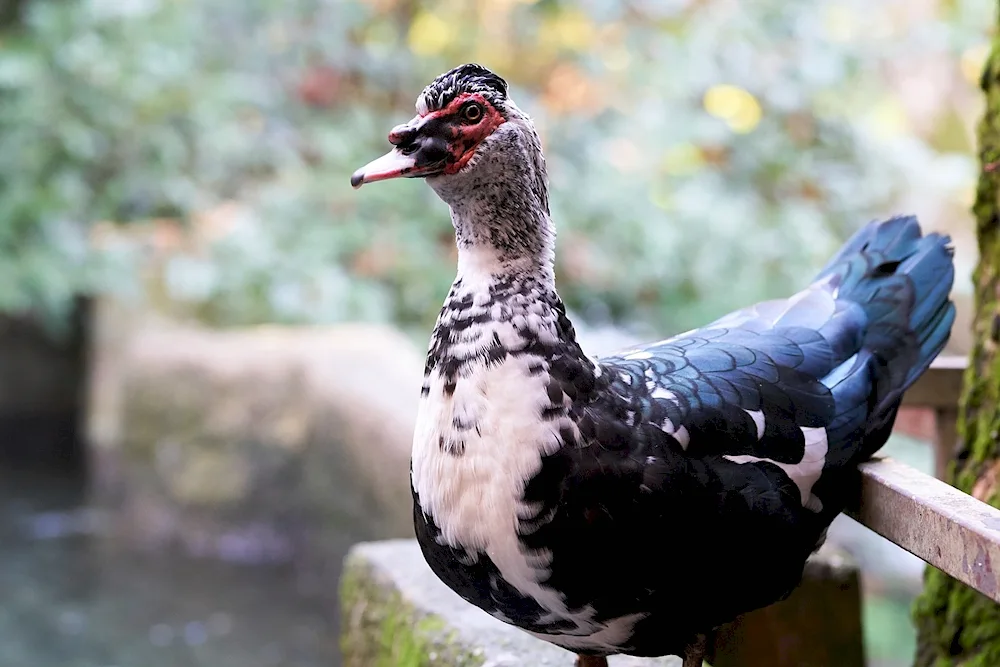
69	599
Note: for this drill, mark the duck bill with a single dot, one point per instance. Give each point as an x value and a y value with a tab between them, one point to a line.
394	164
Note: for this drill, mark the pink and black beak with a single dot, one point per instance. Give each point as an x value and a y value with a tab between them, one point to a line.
418	152
438	142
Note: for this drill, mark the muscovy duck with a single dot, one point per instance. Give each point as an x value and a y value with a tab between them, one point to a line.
633	503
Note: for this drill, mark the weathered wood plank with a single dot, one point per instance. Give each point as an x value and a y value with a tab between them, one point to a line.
940	386
939	524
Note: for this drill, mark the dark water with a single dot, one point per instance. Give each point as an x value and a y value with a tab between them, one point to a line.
67	599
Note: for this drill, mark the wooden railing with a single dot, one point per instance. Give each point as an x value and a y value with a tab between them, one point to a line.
939	524
943	526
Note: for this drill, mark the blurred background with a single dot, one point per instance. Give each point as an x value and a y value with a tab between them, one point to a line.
210	346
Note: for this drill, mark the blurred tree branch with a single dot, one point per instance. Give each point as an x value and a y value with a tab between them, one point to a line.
10	13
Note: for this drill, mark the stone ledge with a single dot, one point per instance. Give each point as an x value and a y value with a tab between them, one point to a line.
397	613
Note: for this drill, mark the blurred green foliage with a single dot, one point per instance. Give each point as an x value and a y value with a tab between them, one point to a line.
702	153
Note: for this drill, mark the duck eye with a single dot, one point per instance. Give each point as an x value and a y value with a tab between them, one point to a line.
472	112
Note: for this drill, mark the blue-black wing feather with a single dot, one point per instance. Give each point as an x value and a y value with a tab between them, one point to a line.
837	355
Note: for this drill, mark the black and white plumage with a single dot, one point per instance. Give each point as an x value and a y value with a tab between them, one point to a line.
631	504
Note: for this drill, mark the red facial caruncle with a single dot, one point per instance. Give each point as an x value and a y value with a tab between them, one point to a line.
469	130
437	142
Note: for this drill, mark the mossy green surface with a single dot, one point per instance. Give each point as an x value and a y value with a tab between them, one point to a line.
381	629
956	625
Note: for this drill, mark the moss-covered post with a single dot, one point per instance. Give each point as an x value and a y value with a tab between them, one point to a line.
956	625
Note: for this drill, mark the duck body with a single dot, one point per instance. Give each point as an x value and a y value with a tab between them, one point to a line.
633	503
661	492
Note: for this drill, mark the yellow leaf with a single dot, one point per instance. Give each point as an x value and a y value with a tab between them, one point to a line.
736	106
682	159
972	62
569	29
889	119
430	34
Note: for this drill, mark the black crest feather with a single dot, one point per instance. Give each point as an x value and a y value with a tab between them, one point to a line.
468	78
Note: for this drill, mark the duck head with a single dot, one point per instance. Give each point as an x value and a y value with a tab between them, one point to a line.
482	156
456	116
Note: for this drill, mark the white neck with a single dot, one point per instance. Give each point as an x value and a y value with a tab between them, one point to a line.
500	208
485	264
